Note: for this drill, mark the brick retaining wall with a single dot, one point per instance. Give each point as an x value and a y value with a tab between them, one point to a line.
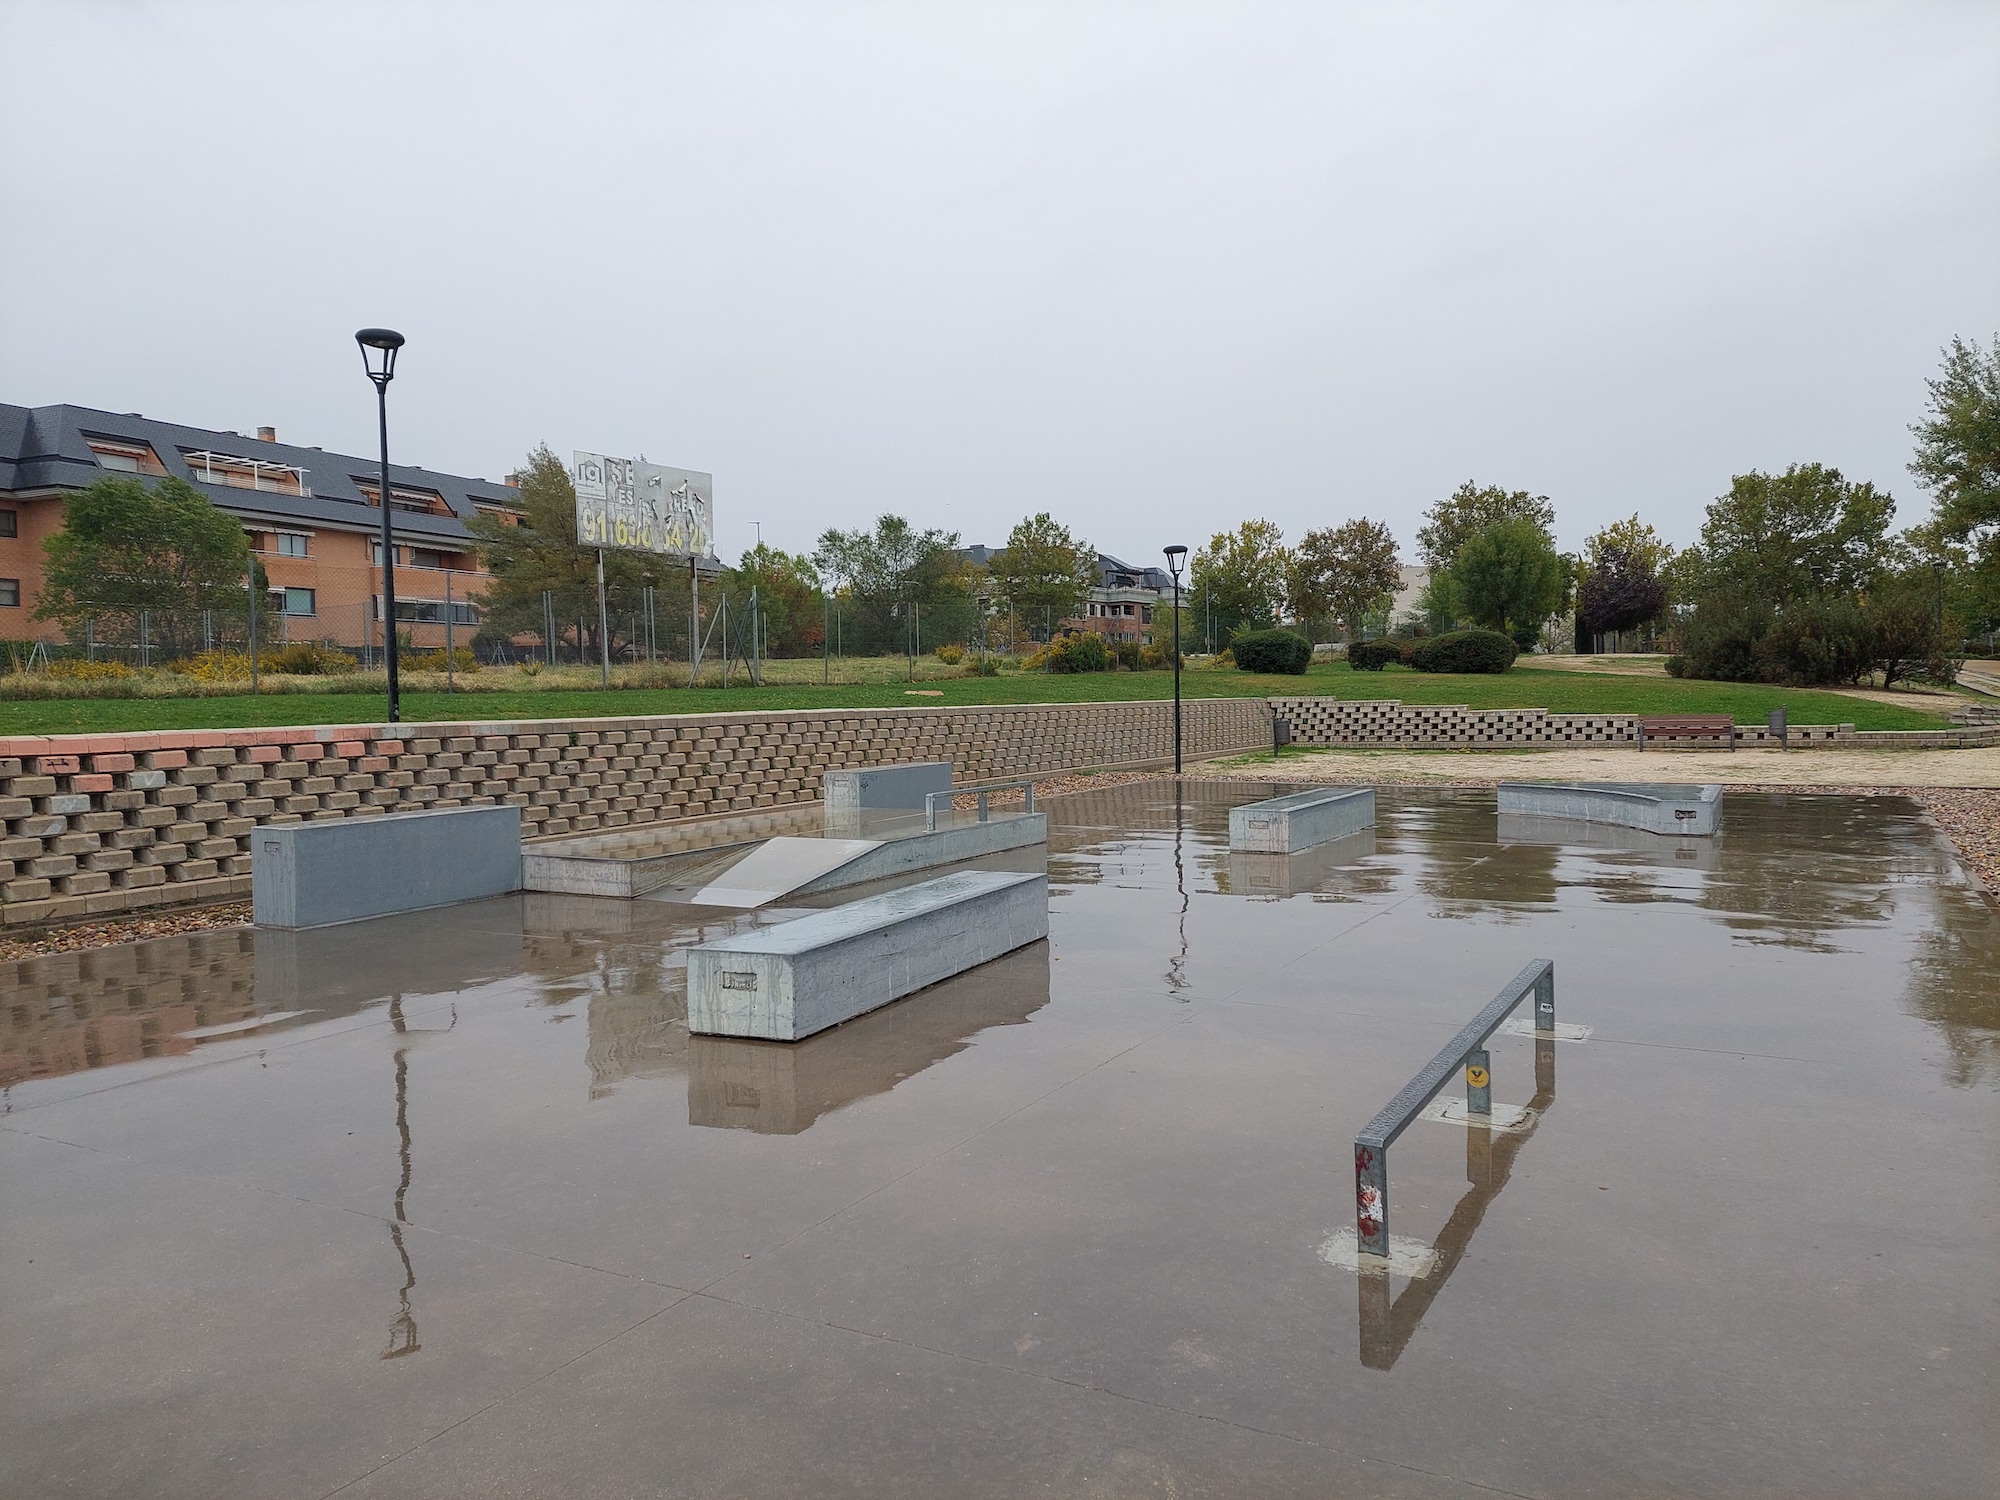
107	823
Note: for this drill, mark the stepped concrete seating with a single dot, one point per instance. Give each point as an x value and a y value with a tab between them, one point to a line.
1681	810
1285	825
317	874
790	981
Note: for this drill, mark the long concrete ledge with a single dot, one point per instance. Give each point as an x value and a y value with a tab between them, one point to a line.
790	981
1675	810
317	874
1285	825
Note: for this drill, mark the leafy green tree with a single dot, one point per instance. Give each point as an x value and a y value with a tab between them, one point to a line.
542	555
1620	590
788	599
1349	572
899	587
164	550
1471	508
1044	573
1801	534
1958	461
1239	579
1509	577
1643	547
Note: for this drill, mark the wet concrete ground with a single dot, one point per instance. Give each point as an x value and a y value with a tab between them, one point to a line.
479	1219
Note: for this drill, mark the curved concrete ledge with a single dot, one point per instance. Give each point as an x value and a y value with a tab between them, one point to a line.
1676	811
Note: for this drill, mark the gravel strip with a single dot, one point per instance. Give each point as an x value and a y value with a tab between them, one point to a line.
126	930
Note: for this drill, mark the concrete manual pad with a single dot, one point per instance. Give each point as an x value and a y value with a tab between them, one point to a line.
787	982
436	1227
1675	810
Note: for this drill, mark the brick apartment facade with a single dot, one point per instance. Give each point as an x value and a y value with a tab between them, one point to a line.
313	519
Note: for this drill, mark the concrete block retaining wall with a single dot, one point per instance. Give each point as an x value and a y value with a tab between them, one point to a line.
100	824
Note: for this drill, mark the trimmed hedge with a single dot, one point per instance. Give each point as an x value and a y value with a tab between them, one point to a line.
1373	656
1272	651
1465	651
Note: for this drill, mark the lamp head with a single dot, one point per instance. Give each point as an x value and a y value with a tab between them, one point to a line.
1174	558
378	353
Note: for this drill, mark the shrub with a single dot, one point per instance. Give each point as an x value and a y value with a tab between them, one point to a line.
1272	651
1156	657
984	666
951	656
1082	652
1464	651
307	659
1128	654
1373	656
216	666
1809	642
462	660
89	671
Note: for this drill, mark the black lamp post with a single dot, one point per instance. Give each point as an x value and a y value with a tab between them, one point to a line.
378	357
1174	556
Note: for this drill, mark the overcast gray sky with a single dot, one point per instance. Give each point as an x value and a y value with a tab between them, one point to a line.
1154	268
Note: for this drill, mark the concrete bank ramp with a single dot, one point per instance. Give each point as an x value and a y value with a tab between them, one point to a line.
766	871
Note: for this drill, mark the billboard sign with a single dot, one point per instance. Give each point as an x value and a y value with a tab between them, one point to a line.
633	506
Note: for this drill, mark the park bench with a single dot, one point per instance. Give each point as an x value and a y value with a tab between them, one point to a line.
1687	727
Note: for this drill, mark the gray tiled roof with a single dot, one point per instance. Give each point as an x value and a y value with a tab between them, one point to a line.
48	447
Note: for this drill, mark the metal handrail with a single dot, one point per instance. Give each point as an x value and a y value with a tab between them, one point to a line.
1371	1145
982	791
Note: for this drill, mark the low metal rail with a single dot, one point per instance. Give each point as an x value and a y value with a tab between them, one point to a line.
982	791
1371	1146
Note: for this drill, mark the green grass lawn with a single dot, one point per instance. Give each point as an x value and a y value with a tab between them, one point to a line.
1559	692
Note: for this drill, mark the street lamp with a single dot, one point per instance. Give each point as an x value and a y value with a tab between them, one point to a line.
378	358
1174	557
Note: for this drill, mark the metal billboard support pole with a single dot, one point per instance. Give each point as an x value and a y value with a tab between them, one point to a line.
694	620
603	624
450	682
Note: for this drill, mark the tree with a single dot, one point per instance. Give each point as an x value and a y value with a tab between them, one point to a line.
1509	577
1349	572
1642	546
1802	534
1621	590
1239	578
164	550
542	555
1452	522
788	599
1958	446
1044	573
901	587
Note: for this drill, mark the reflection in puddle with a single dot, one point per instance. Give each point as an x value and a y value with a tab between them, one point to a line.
781	1088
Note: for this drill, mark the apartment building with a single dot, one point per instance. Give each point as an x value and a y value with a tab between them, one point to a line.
1120	604
314	519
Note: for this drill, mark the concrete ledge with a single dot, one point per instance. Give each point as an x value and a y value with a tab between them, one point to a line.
1676	811
317	874
790	981
849	791
1285	825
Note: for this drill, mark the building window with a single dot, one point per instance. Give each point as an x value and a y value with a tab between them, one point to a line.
10	593
296	601
124	456
375	553
417	502
246	473
10	523
293	544
427	557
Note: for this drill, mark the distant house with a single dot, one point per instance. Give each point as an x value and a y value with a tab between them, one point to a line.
313	517
1408	603
1120	605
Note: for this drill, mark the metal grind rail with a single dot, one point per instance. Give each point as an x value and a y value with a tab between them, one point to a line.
982	791
1371	1146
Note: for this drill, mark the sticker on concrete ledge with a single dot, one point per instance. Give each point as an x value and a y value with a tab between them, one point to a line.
1454	1112
1412	1258
1564	1032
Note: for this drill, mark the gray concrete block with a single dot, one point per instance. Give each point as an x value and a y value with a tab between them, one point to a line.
786	982
907	785
1680	810
1301	820
928	851
317	874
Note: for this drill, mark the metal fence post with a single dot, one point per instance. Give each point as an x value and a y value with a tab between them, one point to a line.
1478	1082
1545	1000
